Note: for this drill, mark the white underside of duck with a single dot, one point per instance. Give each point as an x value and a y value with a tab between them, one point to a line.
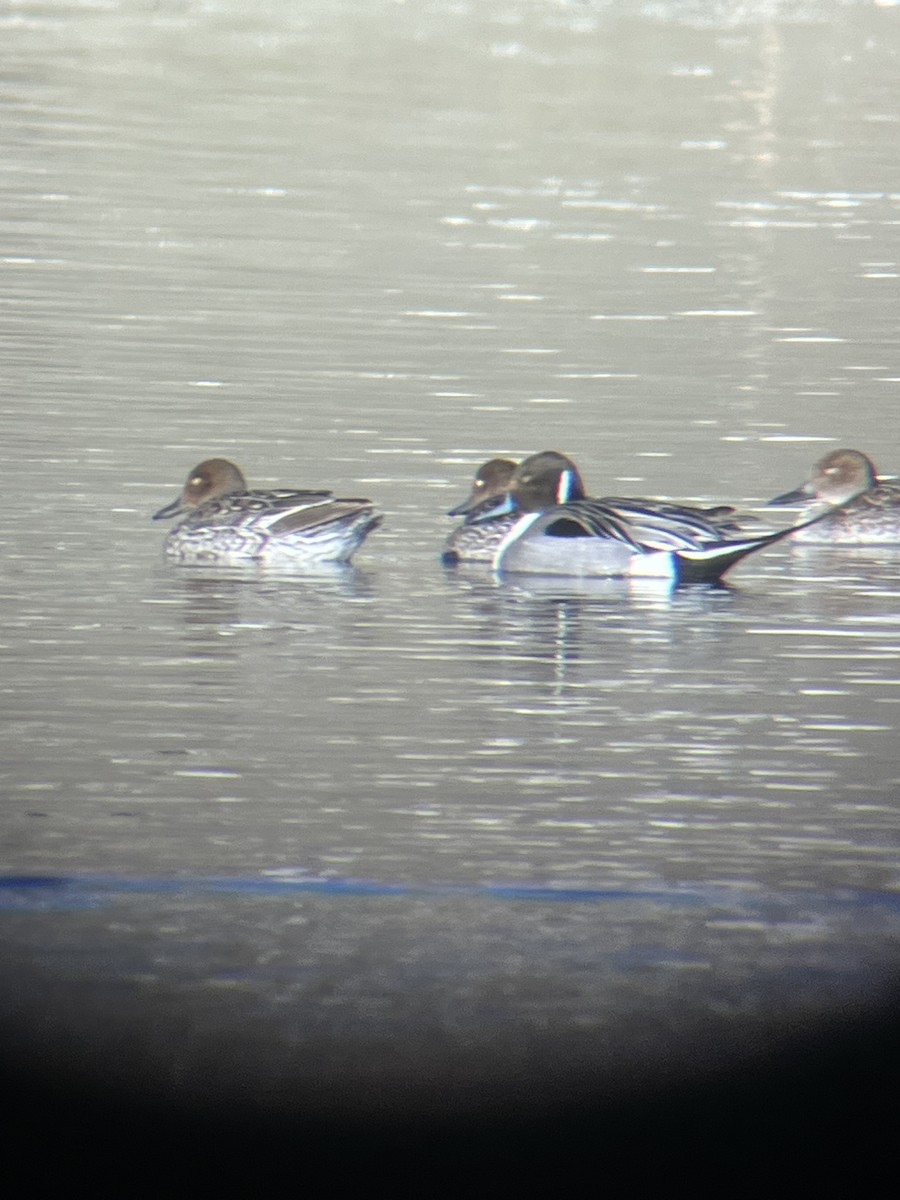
581	557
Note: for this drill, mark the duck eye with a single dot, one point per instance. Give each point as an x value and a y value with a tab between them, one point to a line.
196	481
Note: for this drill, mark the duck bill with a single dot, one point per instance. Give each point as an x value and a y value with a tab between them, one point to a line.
799	495
466	507
487	512
171	510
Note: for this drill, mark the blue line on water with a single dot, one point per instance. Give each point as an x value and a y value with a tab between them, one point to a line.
25	892
43	882
57	885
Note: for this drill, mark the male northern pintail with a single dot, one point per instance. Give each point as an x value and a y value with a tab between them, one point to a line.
227	524
476	540
490	515
870	512
560	531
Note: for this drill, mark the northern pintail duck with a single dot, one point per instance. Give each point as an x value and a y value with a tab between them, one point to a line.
228	524
560	531
870	508
477	540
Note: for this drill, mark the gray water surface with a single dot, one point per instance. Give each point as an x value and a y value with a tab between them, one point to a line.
399	821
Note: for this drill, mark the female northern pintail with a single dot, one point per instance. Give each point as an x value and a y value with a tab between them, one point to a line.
870	507
476	540
560	531
227	524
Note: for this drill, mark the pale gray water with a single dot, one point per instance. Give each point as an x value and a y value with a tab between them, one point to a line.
367	246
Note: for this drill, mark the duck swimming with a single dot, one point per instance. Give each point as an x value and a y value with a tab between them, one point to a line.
561	531
869	513
228	524
477	539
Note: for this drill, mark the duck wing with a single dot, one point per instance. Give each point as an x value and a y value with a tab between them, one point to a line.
249	507
585	519
641	524
307	516
664	525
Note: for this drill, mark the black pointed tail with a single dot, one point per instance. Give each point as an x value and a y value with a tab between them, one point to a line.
708	566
